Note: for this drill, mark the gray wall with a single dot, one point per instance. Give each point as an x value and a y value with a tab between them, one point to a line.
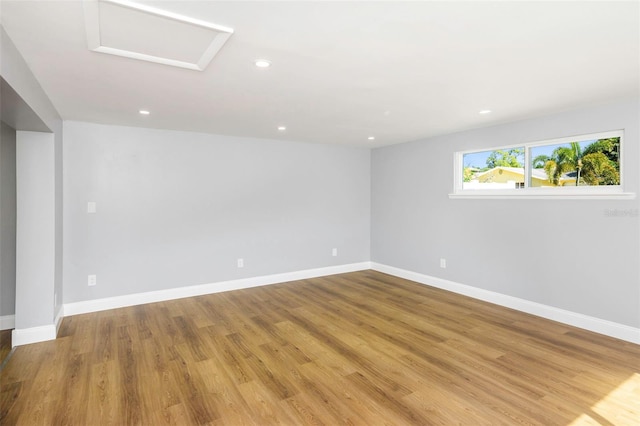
35	242
178	208
563	253
7	220
43	304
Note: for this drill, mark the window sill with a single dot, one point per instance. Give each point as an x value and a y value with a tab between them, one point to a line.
546	196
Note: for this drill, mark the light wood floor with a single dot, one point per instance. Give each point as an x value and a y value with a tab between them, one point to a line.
362	348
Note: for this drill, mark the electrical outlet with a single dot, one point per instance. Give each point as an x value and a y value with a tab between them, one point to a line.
443	263
240	263
92	280
334	252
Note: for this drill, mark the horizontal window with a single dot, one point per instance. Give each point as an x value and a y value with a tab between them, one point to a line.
587	165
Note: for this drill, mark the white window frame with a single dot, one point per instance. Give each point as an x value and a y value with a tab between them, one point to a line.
565	192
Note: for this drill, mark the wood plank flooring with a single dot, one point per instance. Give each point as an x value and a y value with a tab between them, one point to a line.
361	348
5	344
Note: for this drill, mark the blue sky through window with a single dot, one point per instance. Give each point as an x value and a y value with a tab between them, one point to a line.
479	159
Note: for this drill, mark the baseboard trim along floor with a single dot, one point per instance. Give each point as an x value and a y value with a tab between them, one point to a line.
597	325
608	328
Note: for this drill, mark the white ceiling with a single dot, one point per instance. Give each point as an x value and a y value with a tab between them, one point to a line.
344	71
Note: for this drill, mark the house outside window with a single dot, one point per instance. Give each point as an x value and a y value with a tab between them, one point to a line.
586	165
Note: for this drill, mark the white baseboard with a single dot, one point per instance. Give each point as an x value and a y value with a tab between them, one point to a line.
7	322
59	318
48	332
608	328
26	336
198	290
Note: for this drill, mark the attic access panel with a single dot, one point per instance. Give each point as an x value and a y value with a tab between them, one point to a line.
136	31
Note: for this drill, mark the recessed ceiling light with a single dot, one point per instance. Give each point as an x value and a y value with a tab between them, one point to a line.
371	138
144	112
282	128
485	111
262	63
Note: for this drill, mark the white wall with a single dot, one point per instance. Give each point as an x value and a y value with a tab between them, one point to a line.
178	209
35	246
39	300
567	254
7	222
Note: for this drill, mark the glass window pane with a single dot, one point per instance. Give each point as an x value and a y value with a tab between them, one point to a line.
497	169
591	162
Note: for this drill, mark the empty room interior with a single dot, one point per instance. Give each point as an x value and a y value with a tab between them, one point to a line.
319	212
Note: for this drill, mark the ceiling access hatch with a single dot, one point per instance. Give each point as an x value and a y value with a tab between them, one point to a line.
147	33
